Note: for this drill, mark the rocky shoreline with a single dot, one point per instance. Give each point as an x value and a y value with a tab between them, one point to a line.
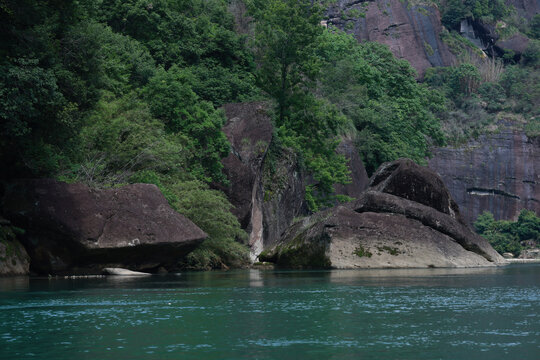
403	216
406	218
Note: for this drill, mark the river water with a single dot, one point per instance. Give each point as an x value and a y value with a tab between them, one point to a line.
487	313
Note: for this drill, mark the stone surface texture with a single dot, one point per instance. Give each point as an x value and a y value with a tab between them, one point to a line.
359	176
410	29
404	178
498	172
381	230
71	225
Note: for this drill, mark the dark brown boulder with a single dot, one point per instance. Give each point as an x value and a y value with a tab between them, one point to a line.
345	239
73	226
404	178
517	43
373	201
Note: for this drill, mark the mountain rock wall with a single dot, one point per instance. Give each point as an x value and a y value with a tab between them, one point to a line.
498	172
525	8
410	29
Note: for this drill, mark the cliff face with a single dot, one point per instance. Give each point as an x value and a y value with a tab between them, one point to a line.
410	30
525	8
498	172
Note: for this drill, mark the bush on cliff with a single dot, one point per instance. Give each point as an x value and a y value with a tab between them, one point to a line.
209	210
508	236
392	115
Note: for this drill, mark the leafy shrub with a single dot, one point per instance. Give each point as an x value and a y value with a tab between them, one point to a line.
393	115
507	236
494	95
210	210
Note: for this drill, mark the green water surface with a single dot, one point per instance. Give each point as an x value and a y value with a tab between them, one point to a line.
487	313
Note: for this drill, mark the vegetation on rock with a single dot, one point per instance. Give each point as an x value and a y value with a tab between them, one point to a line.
510	236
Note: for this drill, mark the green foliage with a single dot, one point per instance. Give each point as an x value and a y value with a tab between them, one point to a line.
360	251
172	100
286	38
475	92
454	11
392	114
210	210
522	86
38	122
198	34
534	27
464	80
458	44
528	226
531	55
507	236
105	60
121	138
532	128
494	96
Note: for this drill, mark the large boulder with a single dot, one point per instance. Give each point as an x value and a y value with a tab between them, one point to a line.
516	43
406	179
410	29
71	227
381	229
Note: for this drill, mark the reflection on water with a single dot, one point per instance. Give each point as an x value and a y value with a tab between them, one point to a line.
16	283
480	313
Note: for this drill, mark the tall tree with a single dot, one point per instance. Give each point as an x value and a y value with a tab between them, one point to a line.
286	36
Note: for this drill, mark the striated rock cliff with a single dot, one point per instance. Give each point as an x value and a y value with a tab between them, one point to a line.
381	229
411	29
498	172
70	227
